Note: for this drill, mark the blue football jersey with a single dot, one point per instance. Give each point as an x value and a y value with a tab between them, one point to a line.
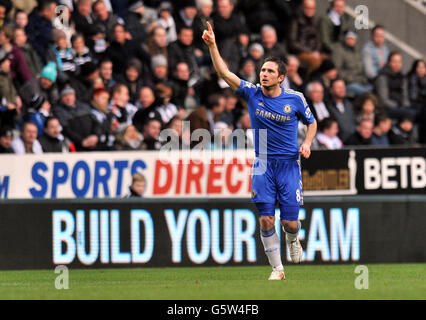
275	120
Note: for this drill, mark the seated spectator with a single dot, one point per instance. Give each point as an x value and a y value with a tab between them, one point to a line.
99	104
334	25
52	140
402	133
315	99
121	108
18	66
8	92
392	88
325	74
147	109
181	85
121	50
363	134
304	38
327	137
341	109
417	84
185	14
61	54
382	126
77	121
106	74
45	86
375	53
6	138
21	19
270	43
160	70
151	135
248	71
182	50
227	22
293	79
135	21
129	140
39	27
157	42
347	60
367	106
137	188
105	20
134	79
30	55
81	54
27	142
165	20
165	108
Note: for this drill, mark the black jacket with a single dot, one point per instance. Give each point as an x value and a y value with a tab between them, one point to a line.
50	144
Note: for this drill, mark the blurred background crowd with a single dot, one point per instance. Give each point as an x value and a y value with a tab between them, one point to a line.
112	74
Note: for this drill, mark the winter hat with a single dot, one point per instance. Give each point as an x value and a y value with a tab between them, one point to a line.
6	132
257	46
350	34
67	90
158	60
36	101
133	5
49	72
165	6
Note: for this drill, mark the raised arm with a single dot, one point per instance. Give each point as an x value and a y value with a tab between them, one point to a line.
220	66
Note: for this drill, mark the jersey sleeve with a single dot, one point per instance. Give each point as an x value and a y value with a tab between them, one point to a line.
304	111
246	89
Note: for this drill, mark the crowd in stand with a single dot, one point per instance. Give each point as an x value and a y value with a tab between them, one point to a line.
112	74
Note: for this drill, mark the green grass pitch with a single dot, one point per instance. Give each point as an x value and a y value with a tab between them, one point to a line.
386	281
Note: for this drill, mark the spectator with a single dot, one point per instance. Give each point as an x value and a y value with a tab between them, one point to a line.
99	104
151	135
327	137
304	38
77	121
270	43
402	133
227	22
64	12
39	28
315	99
221	137
105	20
45	86
80	53
160	70
84	82
293	79
243	42
375	53
325	74
382	126
157	42
182	50
334	25
205	9
121	108
136	24
6	138
106	74
21	19
7	89
52	139
248	71
19	70
392	88
363	134
165	108
134	79
257	53
147	106
166	21
61	54
229	112
122	50
37	112
176	138
417	84
137	187
30	55
185	15
366	106
180	85
340	109
347	60
129	140
245	125
27	142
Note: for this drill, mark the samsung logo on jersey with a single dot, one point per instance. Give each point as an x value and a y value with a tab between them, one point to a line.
272	116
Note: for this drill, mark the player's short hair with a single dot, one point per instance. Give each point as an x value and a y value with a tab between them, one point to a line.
282	69
138	177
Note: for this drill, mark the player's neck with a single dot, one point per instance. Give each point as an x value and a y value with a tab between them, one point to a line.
272	92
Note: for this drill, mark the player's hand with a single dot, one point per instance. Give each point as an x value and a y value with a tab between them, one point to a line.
208	36
305	150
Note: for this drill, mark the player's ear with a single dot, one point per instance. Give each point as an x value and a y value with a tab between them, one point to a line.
281	78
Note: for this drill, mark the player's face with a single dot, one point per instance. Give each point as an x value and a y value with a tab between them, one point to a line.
269	76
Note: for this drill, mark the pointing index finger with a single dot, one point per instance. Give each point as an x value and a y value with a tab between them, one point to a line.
209	27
